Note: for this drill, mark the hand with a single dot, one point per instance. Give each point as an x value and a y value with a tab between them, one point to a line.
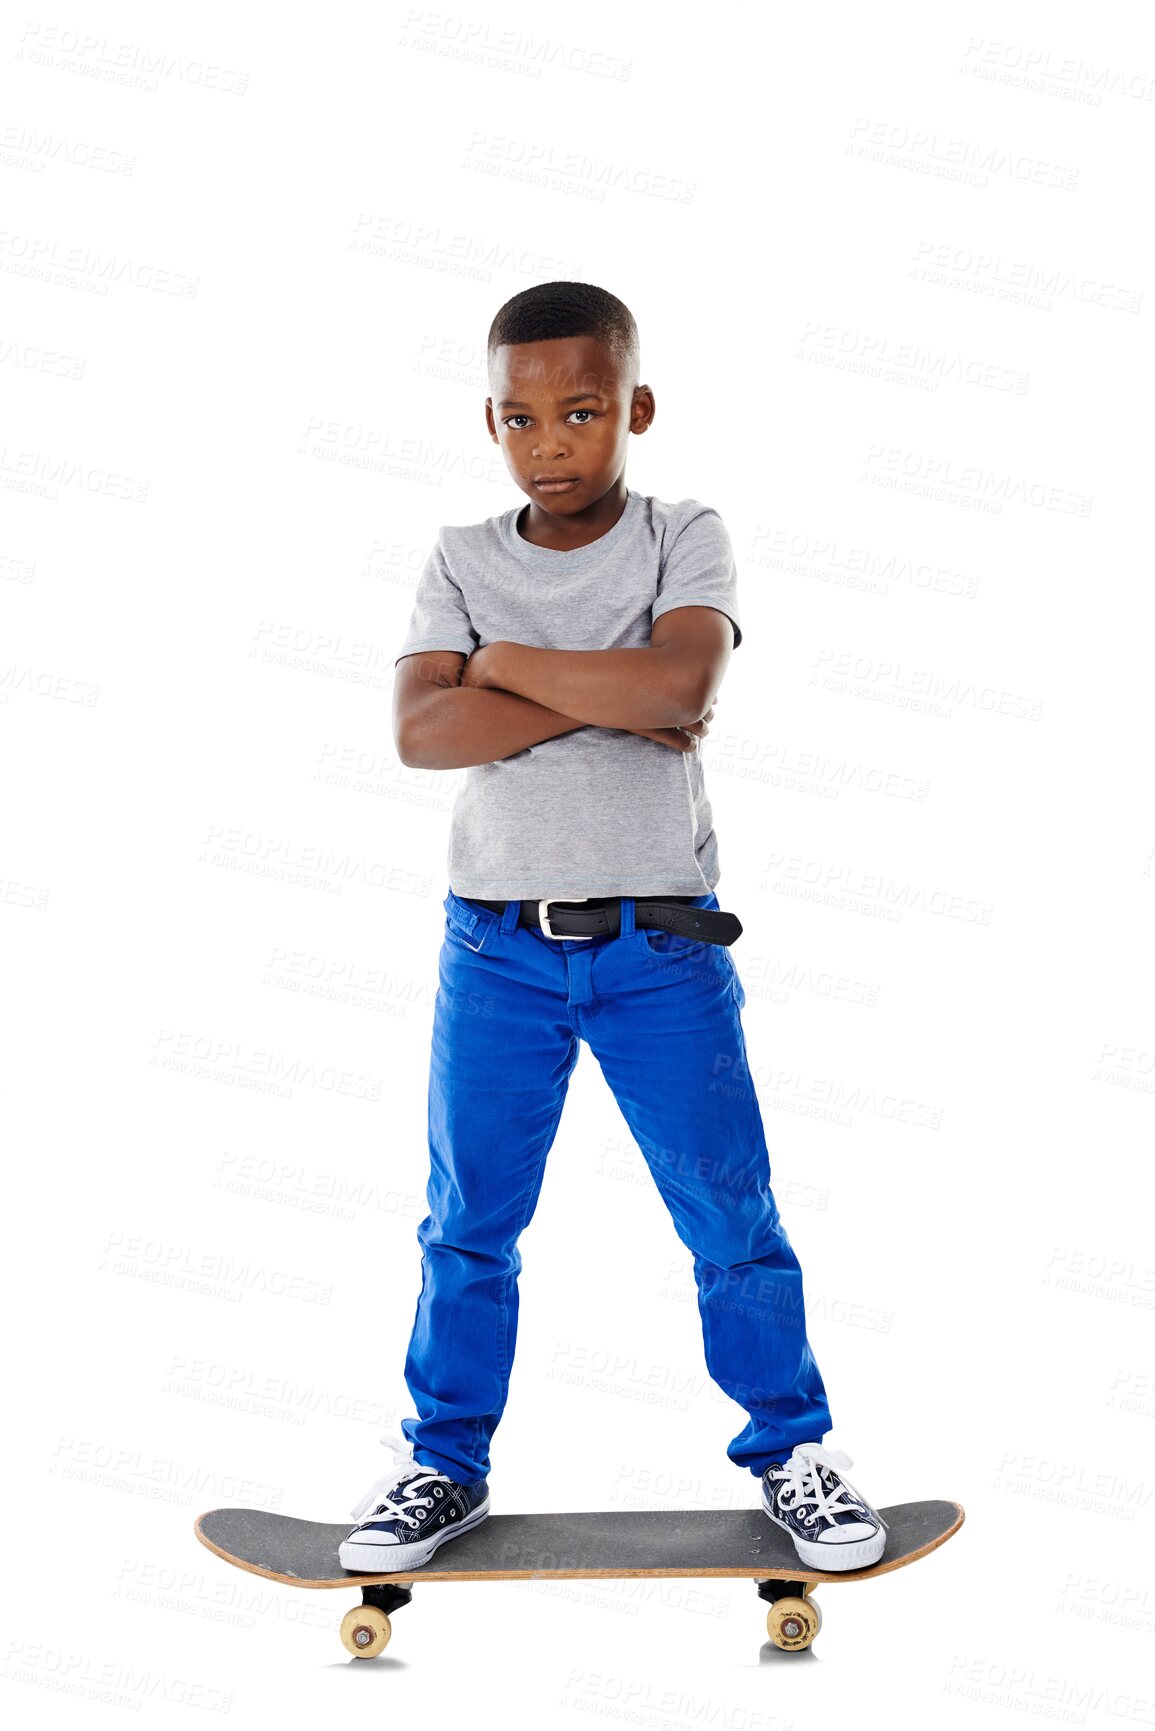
680	738
473	669
478	669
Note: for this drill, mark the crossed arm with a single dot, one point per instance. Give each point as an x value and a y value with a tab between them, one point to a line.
450	712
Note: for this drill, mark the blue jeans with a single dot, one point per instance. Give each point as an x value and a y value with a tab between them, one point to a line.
661	1014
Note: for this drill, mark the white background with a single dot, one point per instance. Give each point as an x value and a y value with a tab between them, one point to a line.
892	272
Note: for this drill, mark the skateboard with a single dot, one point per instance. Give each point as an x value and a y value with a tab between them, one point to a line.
606	1546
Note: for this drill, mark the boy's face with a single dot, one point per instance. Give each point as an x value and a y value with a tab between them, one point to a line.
561	408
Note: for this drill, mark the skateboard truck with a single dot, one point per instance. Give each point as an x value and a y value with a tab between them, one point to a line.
386	1597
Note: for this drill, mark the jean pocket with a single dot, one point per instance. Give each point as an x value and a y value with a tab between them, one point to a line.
736	985
671	944
471	926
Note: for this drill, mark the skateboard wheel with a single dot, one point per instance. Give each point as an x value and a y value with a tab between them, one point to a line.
365	1631
793	1623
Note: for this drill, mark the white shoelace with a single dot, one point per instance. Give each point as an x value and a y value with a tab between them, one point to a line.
803	1473
383	1496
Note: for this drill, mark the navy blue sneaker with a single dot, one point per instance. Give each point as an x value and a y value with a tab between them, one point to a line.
411	1510
832	1526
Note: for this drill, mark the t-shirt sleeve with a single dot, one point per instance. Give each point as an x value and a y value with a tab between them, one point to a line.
440	618
698	569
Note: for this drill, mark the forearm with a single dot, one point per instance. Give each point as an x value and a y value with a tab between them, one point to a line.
460	726
627	688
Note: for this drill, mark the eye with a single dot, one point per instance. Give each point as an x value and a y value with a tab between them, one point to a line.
510	419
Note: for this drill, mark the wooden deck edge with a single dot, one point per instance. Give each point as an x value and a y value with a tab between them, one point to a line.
758	1572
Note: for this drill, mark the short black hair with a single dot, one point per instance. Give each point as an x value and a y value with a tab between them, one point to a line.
569	309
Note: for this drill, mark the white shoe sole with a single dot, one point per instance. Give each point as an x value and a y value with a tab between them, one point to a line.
368	1558
831	1556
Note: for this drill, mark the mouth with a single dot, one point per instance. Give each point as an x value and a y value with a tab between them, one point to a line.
556	483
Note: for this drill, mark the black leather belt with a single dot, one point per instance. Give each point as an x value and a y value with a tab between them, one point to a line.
601	916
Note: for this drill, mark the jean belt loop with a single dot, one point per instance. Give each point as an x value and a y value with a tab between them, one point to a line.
628	926
510	915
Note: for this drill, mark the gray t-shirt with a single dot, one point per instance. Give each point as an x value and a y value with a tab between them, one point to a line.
597	811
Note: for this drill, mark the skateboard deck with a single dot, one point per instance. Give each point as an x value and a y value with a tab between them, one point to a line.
567	1547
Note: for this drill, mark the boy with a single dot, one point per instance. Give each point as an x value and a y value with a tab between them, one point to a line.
566	654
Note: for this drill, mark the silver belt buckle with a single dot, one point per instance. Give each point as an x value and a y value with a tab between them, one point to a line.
543	917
